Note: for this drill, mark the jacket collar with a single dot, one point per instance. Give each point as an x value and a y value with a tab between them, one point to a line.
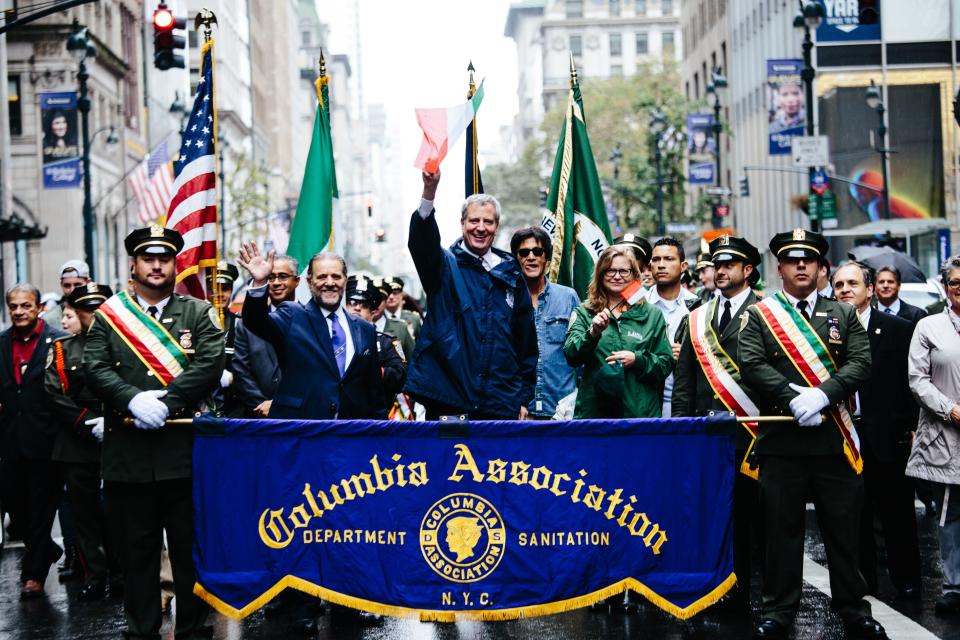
507	271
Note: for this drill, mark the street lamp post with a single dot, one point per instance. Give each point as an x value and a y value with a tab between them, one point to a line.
81	48
658	123
809	18
717	82
221	145
875	101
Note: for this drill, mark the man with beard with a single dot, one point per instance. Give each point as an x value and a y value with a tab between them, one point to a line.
151	356
328	357
707	379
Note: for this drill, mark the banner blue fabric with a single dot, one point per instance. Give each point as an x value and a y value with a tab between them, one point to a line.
489	520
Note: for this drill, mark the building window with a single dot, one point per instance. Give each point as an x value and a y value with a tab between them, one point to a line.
128	42
668	43
666	7
616	45
576	46
304	38
616	71
643	45
574	8
614	8
15	106
640	7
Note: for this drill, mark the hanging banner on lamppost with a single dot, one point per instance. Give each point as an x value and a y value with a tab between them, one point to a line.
61	153
701	149
786	105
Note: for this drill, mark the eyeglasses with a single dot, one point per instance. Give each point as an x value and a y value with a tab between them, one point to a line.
282	277
536	251
610	274
953	284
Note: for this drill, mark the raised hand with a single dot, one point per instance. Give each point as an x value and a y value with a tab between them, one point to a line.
257	265
430	183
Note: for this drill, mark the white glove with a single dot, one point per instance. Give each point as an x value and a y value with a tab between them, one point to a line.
97	431
148	412
807	405
226	379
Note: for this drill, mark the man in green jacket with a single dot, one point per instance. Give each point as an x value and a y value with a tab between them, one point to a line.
147	465
804	356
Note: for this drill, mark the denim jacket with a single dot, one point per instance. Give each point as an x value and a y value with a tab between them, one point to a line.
555	378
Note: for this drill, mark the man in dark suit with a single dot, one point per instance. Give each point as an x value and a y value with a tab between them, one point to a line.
888	297
255	365
804	356
30	481
885	415
328	357
734	260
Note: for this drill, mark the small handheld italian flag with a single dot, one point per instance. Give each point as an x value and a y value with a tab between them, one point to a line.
442	128
634	293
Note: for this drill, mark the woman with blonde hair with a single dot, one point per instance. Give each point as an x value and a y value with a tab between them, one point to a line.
622	347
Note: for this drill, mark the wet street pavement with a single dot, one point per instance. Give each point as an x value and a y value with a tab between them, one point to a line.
61	616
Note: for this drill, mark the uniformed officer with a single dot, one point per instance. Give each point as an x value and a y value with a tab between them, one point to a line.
706	272
362	297
79	414
804	356
394	307
713	329
147	465
228	400
396	328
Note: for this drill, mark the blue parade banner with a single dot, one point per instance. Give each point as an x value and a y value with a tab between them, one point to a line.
61	153
701	149
786	105
489	520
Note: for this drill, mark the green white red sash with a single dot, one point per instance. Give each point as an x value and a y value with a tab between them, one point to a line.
722	373
145	336
812	359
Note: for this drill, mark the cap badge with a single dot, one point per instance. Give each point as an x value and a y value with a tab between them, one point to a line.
91	287
156	231
799	234
723	241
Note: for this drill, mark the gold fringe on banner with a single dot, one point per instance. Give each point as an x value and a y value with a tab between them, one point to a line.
434	615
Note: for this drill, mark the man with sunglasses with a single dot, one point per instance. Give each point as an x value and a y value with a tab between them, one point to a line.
552	306
255	367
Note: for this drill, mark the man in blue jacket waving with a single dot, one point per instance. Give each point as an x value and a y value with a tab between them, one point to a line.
477	352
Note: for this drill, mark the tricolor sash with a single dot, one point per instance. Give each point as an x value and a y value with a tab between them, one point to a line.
722	373
145	336
812	359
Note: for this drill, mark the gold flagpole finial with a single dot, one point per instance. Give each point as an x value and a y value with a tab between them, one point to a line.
205	18
473	86
323	64
573	72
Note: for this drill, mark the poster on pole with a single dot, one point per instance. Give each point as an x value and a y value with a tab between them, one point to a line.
786	104
61	152
701	149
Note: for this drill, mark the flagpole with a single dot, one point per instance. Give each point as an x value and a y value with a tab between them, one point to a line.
474	168
323	80
206	19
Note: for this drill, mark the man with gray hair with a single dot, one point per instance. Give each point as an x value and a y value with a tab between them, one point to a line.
477	352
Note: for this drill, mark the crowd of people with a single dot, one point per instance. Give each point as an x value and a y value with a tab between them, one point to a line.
868	388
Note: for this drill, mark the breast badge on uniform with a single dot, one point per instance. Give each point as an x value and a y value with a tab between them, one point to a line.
398	349
186	338
49	359
214	316
834	331
744	318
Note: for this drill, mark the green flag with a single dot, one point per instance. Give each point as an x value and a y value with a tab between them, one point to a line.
577	214
313	224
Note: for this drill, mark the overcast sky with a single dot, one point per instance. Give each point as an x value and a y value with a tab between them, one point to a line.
414	53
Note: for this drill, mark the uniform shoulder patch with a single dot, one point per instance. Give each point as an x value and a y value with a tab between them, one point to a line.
399	349
744	318
49	358
214	316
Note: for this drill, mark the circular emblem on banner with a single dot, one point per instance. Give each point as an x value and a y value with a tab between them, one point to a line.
462	537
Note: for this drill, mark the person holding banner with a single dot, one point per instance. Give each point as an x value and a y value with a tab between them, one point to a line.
804	356
621	341
707	379
151	356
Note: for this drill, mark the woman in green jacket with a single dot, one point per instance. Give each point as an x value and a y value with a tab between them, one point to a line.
623	348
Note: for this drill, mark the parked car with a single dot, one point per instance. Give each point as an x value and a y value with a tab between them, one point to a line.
927	295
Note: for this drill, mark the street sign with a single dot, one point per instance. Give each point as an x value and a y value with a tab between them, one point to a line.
680	228
810	151
824	208
819	182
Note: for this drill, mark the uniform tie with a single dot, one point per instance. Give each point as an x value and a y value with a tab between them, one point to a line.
725	318
339	342
153	311
888	310
802	308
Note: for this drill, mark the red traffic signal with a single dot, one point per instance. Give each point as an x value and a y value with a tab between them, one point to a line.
165	42
162	19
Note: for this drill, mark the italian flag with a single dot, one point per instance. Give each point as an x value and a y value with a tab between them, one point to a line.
442	128
633	292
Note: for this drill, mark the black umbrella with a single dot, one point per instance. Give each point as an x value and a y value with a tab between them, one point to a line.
878	257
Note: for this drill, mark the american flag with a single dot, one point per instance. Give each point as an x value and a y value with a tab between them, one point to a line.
193	208
152	184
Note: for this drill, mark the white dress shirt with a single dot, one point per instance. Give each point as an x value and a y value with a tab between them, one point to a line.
811	301
673	312
893	308
159	305
735	303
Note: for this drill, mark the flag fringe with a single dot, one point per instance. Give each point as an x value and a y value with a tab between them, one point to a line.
429	615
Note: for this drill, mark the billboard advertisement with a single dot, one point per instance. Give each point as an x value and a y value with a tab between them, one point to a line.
701	149
849	21
61	153
786	104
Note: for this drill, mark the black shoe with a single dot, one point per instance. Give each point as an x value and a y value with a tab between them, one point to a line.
769	628
948	604
304	627
865	627
93	591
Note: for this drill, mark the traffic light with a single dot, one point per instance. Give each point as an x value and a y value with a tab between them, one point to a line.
544	192
381	234
165	41
744	186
